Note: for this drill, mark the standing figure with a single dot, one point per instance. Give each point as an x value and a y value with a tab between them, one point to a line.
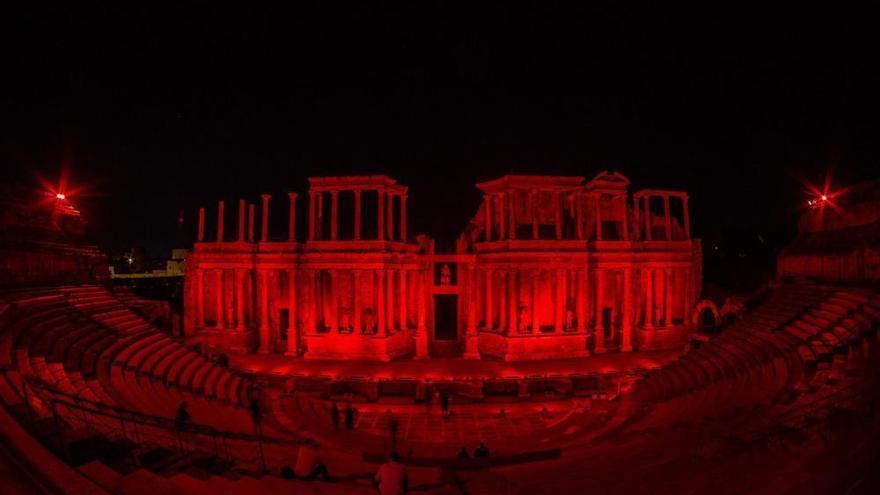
369	322
334	416
445	275
349	416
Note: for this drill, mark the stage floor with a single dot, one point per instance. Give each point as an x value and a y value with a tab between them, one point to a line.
447	369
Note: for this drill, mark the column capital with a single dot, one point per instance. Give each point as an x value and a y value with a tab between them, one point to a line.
292	195
266	196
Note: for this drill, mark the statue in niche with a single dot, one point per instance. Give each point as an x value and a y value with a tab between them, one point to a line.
569	319
445	275
369	322
345	322
525	319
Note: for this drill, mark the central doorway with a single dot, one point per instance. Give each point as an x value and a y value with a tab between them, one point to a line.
446	317
446	343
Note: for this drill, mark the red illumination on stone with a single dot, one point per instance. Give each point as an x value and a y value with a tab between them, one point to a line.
547	268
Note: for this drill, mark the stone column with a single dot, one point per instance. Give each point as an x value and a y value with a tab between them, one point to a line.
637	205
357	214
334	214
487	202
356	300
599	343
403	300
313	300
598	217
239	299
201	235
264	311
513	304
319	217
626	340
291	219
560	300
687	217
511	215
241	209
579	218
200	297
421	295
389	301
312	214
265	232
625	218
667	306
334	301
252	215
471	347
381	220
390	212
668	218
502	301
292	331
581	300
502	225
532	201
380	301
220	218
558	211
648	281
403	198
221	316
534	310
649	218
487	302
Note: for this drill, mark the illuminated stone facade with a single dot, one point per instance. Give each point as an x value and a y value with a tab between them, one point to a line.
549	267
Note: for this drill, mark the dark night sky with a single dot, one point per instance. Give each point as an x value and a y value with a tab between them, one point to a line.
161	110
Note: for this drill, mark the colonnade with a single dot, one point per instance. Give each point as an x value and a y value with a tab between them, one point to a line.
506	300
386	229
316	302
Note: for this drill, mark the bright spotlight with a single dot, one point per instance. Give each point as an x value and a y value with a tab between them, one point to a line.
60	196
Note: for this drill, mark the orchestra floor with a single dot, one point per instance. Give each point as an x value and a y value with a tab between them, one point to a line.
446	369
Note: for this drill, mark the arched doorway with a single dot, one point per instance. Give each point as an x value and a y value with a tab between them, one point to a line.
706	316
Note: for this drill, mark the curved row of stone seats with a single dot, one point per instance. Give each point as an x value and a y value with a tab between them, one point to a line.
53	334
106	308
754	363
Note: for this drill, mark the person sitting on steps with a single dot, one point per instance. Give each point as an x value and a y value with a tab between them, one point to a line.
308	462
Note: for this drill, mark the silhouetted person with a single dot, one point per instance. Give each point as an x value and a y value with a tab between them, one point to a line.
444	402
349	417
334	416
392	478
393	427
463	453
256	414
481	450
308	462
182	417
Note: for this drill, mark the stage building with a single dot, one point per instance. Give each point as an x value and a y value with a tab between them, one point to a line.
548	267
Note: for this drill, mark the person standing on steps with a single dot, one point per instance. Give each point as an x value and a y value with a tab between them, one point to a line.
349	416
391	477
334	416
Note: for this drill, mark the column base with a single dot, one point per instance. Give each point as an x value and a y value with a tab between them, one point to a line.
626	348
599	350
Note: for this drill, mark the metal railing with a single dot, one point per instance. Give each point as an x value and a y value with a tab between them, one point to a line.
71	415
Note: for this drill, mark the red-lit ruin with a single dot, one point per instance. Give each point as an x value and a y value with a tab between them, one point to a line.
548	267
568	331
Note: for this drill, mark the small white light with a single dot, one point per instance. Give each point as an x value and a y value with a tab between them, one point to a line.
60	196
